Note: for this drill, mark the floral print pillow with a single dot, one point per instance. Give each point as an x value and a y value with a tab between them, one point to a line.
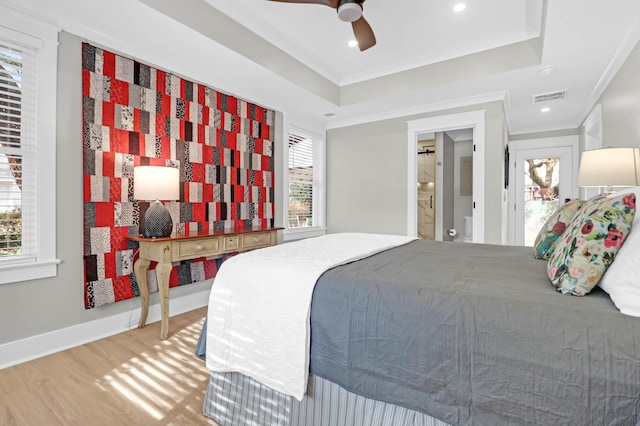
554	227
590	243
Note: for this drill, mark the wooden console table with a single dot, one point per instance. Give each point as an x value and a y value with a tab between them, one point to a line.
179	247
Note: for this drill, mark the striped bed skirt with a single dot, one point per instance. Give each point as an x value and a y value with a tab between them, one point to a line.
233	399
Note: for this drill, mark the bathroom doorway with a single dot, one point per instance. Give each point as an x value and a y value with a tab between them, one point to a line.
426	188
444	205
445	185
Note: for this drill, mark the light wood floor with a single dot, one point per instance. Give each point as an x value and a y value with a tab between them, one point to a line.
132	378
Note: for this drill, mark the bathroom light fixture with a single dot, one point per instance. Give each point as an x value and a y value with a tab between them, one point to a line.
459	7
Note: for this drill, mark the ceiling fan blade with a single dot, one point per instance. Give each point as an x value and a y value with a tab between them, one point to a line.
364	34
330	3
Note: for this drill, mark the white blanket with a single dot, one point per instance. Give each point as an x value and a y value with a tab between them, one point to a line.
260	304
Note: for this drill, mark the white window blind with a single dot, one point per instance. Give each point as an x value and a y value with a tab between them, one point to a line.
301	181
17	143
28	82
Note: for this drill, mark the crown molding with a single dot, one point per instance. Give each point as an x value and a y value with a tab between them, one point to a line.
554	127
420	109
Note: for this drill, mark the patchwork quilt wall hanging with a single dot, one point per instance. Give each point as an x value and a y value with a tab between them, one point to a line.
134	114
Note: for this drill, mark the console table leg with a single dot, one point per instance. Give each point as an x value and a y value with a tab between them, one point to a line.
140	268
163	271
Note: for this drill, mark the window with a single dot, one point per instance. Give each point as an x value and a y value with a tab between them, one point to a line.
28	51
305	185
16	94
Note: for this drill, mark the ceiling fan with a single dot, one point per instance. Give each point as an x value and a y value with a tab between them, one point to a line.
348	11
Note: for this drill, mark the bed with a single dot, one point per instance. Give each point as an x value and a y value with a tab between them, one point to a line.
442	333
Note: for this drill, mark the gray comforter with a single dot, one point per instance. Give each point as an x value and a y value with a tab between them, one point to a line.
475	334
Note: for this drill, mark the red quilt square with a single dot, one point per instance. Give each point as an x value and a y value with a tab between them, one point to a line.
86	186
86	83
173	278
160	125
257	178
161	81
266	163
115	190
231	140
207	192
201	138
136	120
202	90
259	114
108	163
198	212
119	140
122	288
108	114
104	214
265	131
258	147
119	240
119	92
110	265
109	64
197	172
210	268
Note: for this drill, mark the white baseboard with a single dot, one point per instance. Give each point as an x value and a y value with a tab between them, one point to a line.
24	350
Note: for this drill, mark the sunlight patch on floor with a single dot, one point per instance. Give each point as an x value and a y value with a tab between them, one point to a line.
166	377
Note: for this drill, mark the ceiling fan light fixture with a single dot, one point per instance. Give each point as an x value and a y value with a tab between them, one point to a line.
349	11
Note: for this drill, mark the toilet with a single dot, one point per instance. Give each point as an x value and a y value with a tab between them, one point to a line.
468	229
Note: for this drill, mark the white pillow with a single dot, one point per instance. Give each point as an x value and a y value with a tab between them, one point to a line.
622	279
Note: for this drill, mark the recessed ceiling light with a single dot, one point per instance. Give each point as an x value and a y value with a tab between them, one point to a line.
545	109
546	70
459	7
353	43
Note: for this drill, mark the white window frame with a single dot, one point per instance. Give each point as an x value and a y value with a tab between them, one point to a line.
319	187
43	37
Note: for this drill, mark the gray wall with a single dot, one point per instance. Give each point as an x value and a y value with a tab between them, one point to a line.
367	174
621	105
31	308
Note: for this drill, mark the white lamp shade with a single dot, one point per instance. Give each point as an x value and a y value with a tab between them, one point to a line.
156	183
610	167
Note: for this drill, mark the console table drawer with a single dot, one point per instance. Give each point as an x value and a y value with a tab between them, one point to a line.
199	247
255	240
231	243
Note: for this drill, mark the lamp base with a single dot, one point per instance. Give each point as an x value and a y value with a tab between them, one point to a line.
609	191
157	221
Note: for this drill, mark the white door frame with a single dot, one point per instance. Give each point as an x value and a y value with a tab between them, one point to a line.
474	120
592	140
539	148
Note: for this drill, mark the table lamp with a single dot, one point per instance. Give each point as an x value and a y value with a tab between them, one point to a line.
610	167
155	183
